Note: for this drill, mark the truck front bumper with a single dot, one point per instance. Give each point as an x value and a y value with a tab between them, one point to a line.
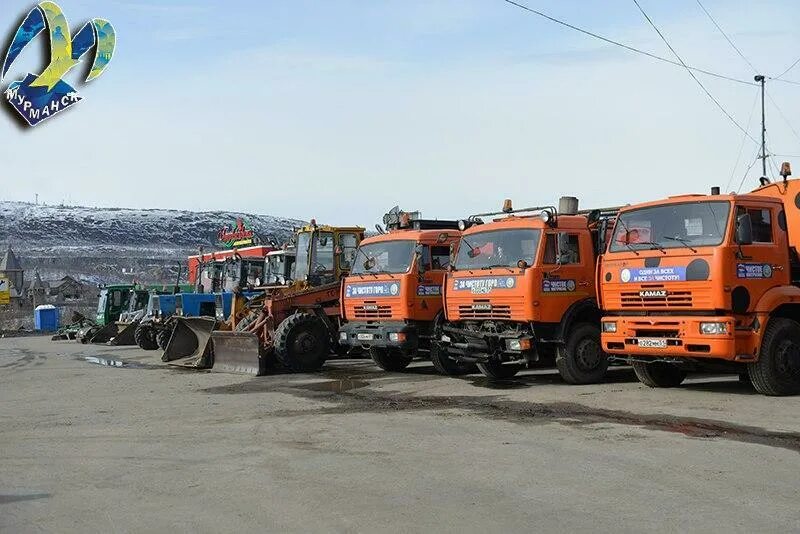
393	334
469	346
671	337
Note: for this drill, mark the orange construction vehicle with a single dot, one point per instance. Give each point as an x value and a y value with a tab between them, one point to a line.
522	292
393	295
707	282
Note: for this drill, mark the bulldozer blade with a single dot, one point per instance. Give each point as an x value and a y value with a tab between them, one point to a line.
105	334
237	352
189	344
125	334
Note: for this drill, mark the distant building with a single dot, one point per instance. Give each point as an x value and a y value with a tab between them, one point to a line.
11	269
66	289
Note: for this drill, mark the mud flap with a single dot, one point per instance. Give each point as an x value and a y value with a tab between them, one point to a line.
125	334
237	352
189	344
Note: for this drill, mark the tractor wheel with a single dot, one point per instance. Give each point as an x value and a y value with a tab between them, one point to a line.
581	359
162	338
302	342
144	337
777	371
659	374
497	371
446	365
393	360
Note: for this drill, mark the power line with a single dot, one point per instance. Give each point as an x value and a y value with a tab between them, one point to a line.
625	46
779	76
725	35
703	87
741	145
783	116
792	82
755	159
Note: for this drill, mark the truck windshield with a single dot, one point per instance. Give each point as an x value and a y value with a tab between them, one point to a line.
686	225
497	248
384	257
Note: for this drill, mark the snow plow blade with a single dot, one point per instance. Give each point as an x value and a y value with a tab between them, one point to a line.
125	332
104	335
237	352
189	345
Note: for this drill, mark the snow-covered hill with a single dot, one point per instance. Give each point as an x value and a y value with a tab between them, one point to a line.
116	244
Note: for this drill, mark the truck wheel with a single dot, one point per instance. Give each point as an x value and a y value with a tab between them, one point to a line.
144	338
581	360
162	338
446	365
777	371
389	359
659	374
302	342
497	371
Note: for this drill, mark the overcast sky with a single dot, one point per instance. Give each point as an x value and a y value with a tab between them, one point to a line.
341	109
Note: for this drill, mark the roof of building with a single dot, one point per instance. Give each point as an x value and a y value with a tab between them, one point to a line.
9	261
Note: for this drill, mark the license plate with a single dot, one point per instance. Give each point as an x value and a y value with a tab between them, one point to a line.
365	337
646	343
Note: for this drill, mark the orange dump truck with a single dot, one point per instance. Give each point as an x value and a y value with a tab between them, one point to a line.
522	292
707	282
393	295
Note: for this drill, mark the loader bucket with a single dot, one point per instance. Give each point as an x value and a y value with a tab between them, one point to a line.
125	334
189	344
237	352
104	335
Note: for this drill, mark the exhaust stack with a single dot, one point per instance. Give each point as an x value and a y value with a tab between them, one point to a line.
567	206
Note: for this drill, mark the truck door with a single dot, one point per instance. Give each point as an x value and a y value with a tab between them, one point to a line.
762	264
435	259
567	273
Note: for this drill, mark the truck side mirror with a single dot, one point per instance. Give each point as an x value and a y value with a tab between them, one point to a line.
744	230
419	253
563	247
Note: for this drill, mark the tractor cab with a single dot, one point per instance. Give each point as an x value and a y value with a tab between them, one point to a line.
241	272
278	267
324	253
112	301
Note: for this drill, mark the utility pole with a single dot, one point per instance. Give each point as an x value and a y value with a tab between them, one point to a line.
760	79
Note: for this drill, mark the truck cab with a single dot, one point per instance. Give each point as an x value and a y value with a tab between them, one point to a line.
707	283
393	295
522	292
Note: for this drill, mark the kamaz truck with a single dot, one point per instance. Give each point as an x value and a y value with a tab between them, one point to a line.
393	296
707	283
522	292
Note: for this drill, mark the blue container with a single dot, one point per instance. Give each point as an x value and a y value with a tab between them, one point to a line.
45	318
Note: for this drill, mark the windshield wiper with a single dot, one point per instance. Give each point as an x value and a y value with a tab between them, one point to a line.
627	233
495	266
654	244
683	241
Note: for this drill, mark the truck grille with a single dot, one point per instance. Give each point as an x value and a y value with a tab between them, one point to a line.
674	299
372	311
484	310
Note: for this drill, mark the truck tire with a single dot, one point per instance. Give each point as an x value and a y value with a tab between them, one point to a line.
144	337
446	365
393	360
581	359
659	374
302	342
497	371
777	371
162	338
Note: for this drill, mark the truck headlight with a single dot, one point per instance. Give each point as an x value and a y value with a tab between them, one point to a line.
518	344
610	327
397	337
342	336
714	328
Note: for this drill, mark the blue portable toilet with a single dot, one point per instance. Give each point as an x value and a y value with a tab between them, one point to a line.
45	318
